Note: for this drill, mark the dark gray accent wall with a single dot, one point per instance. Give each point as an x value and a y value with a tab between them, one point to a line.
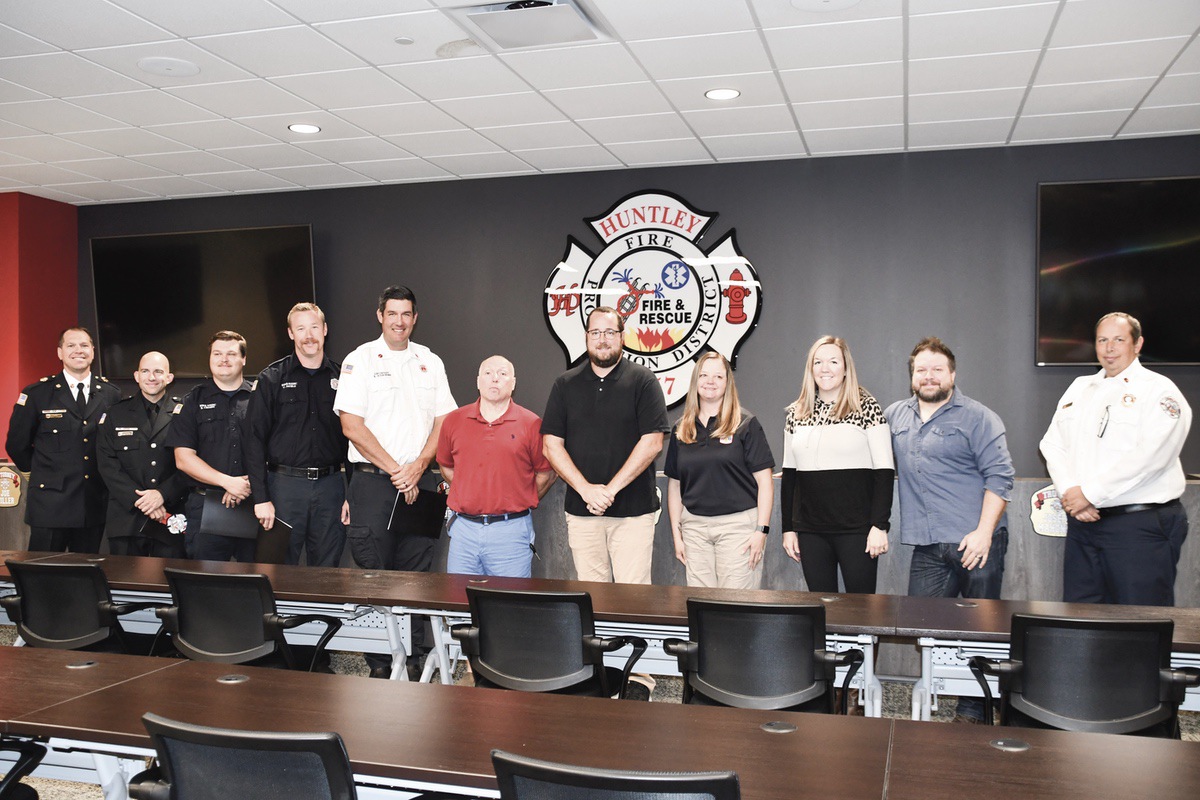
882	250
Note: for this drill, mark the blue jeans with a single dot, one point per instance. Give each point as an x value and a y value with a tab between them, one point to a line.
937	571
500	548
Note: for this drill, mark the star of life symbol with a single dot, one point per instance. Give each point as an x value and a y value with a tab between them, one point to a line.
676	298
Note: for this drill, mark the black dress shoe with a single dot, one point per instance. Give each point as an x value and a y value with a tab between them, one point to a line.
381	672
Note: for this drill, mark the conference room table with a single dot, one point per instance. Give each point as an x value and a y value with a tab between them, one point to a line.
413	737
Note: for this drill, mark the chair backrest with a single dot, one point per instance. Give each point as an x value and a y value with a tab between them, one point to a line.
758	655
222	618
202	763
532	641
1090	674
523	778
63	606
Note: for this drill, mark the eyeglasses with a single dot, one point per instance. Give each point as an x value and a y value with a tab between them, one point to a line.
607	334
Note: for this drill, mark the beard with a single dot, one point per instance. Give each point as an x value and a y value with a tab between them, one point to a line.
939	393
604	362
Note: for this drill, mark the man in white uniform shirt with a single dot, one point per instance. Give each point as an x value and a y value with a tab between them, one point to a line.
392	397
1113	453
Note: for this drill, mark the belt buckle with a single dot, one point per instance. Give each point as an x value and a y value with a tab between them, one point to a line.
487	520
314	473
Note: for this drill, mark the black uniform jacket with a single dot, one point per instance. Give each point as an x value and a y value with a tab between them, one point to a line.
133	455
48	438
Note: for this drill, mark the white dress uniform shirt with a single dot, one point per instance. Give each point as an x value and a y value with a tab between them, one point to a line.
398	393
1118	439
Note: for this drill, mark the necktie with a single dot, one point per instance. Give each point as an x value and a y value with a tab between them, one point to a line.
80	399
153	411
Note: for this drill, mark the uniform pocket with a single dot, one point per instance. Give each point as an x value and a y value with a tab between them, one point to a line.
364	548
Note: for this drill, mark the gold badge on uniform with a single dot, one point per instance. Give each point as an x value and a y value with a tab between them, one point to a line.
1128	400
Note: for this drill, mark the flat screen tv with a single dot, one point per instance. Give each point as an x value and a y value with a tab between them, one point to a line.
171	292
1130	246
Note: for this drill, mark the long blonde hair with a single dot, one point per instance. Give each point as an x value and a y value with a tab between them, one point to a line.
730	416
849	399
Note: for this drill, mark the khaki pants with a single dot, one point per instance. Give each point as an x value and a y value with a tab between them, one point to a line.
715	548
611	549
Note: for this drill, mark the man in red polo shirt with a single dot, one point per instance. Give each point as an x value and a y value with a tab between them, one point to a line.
491	452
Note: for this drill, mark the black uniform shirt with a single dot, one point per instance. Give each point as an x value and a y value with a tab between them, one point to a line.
211	423
716	476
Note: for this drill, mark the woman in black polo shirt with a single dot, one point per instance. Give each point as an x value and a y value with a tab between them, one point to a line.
720	491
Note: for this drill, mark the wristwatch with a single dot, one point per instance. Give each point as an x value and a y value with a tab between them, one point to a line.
763	529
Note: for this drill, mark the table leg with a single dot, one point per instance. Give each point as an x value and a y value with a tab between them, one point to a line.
441	647
114	782
923	688
395	637
872	687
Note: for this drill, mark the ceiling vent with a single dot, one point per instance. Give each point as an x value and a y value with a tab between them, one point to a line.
529	23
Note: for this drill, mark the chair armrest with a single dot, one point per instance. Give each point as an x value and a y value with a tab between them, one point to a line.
120	609
12	606
1186	676
685	652
981	666
149	785
852	658
597	646
332	626
467	636
170	618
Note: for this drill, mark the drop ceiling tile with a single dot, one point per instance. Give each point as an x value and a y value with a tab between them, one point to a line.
850	113
276	126
211	16
124	141
755	146
673	151
373	39
147	107
856	140
917	7
125	61
211	134
103	191
559	159
844	83
12	93
987	104
609	101
782	14
280	51
192	162
270	156
1099	96
1103	21
56	116
47	148
692	56
246	181
400	169
966	73
55	194
650	127
12	129
15	43
758	89
458	77
860	42
444	143
347	89
959	133
321	175
572	67
40	174
637	19
1073	126
481	164
539	136
112	169
323	10
994	30
171	186
74	24
1165	119
8	158
340	151
63	75
1189	59
402	118
1108	61
242	98
497	110
732	121
1175	90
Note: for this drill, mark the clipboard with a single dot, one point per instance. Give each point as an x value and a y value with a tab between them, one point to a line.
238	522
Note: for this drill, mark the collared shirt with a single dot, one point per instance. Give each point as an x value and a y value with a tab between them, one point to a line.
73	384
600	421
1118	439
291	422
495	463
399	393
716	476
211	422
945	465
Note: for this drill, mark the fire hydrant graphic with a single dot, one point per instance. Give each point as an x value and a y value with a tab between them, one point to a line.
737	295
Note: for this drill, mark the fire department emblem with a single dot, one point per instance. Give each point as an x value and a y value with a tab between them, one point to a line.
676	298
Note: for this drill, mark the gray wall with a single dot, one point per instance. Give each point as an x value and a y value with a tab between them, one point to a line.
880	249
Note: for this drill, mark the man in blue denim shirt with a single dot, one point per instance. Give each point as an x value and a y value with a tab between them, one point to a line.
956	478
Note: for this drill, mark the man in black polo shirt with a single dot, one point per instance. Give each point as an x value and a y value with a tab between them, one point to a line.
602	430
207	436
295	447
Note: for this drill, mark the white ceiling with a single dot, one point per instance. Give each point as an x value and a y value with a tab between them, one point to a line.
81	123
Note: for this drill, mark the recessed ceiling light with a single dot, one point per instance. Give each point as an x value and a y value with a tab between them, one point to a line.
303	127
722	94
405	40
168	67
824	5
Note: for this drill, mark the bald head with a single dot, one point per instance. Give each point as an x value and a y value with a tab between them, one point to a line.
153	375
497	379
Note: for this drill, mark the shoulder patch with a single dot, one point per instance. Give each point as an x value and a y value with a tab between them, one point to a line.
254	385
177	409
21	398
1171	407
347	369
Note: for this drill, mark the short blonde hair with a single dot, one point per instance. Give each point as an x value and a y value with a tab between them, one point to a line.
300	308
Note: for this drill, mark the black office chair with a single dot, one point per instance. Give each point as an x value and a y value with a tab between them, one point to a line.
231	619
523	778
200	763
541	642
1094	675
29	755
760	655
70	607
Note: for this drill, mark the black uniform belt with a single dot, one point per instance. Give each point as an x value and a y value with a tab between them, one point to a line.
370	469
488	519
1133	508
311	473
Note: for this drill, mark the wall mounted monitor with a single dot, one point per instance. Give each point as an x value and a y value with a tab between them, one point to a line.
171	292
1130	246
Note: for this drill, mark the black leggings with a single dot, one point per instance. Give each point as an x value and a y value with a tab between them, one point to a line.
821	553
